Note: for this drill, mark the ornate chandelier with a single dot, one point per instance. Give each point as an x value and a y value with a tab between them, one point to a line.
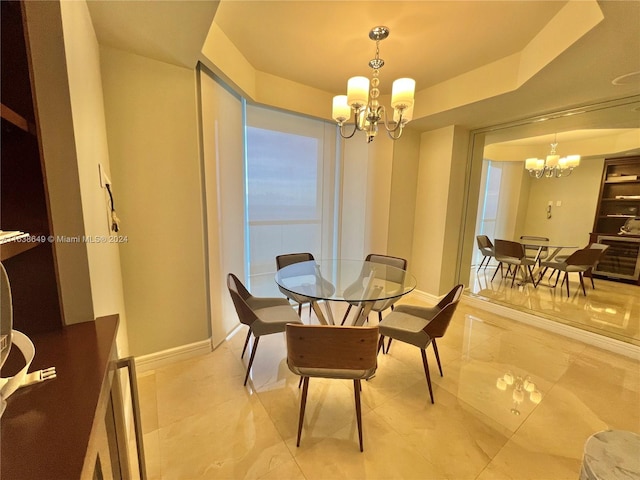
553	165
364	102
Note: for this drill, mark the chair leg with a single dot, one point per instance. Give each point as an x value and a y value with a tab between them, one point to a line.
300	310
426	372
346	314
481	263
566	280
582	284
253	354
435	350
303	404
389	344
533	280
380	344
300	382
379	317
513	279
494	273
544	270
356	389
246	342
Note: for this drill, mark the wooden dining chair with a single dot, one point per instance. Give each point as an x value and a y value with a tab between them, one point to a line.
513	254
486	248
381	305
580	262
537	253
263	315
289	259
332	352
421	326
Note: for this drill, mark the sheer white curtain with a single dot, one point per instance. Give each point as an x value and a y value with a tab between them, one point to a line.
223	177
290	178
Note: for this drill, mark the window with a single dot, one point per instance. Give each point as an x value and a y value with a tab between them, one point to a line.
290	172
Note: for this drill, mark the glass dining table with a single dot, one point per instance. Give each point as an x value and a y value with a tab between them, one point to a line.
356	282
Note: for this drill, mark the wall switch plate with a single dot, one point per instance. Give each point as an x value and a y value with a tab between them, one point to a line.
104	179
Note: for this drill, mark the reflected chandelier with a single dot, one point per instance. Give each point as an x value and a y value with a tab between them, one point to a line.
553	165
364	102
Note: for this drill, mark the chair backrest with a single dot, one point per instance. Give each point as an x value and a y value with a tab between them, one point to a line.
532	250
587	257
397	262
291	258
332	351
484	244
453	296
509	249
438	325
239	295
387	260
599	246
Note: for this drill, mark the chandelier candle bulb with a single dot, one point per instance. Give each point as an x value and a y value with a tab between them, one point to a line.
341	109
402	92
357	92
529	163
573	161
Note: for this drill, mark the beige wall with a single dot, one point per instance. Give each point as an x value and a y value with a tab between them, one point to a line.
572	221
152	130
439	208
402	201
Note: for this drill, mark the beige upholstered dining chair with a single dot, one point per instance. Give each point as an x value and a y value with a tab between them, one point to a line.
531	251
513	254
329	351
486	248
380	305
421	326
263	315
580	262
289	259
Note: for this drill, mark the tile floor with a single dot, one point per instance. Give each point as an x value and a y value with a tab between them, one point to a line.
200	422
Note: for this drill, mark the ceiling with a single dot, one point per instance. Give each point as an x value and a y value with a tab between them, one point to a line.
323	43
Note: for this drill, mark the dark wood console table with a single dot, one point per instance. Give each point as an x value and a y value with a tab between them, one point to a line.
57	429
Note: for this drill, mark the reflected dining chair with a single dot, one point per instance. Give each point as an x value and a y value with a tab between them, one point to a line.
580	262
513	254
289	259
381	305
263	315
534	252
330	351
486	248
421	326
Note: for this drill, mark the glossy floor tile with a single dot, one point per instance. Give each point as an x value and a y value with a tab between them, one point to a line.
199	421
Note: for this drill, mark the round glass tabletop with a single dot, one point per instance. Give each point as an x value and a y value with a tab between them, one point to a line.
345	280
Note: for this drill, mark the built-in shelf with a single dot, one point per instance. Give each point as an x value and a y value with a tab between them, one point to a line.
16	119
621	259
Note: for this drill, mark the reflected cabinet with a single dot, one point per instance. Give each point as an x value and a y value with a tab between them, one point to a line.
618	208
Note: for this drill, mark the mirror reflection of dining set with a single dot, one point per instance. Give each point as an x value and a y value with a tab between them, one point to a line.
348	349
534	256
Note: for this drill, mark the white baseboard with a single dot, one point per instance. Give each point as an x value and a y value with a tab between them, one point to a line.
145	363
595	339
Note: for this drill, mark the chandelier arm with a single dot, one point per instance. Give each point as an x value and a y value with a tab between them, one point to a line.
382	113
341	130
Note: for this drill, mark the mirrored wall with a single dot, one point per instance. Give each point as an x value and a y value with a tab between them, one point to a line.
505	201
